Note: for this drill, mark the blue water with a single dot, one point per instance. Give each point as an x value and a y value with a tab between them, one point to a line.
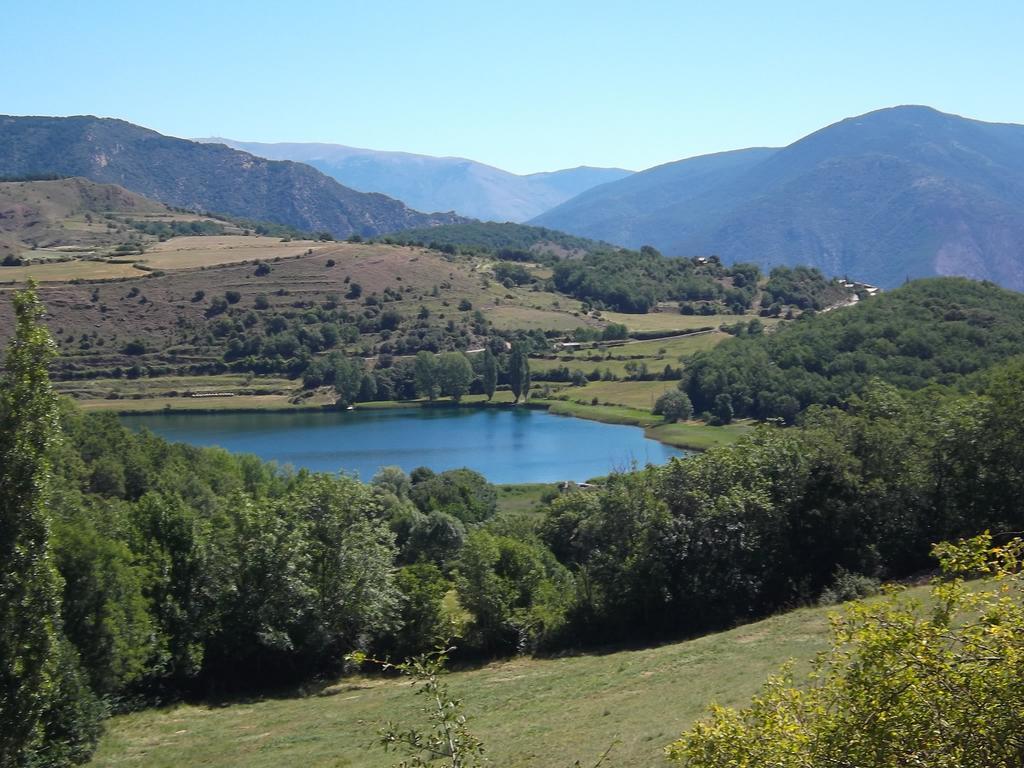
505	445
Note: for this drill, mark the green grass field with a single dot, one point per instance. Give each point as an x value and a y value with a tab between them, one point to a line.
522	498
693	435
669	321
203	404
698	436
671	348
529	712
632	394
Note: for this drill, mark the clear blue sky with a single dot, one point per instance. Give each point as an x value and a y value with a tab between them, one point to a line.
523	85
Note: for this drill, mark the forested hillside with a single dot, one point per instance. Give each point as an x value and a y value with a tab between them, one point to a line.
937	331
505	240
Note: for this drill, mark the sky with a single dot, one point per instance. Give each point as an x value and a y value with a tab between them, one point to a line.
526	86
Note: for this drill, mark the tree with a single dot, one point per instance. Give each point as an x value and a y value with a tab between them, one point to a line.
454	374
462	493
903	684
348	564
519	372
367	389
723	408
348	379
516	590
426	375
489	373
673	405
423	621
31	656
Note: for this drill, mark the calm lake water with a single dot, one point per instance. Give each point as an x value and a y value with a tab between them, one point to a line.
505	445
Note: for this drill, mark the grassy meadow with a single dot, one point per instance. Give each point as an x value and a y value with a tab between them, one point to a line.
542	713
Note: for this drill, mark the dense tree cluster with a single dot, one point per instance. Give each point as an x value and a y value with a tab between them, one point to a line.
635	282
940	330
802	287
516	242
741	531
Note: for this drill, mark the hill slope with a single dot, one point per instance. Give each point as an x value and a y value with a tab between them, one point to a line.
900	192
430	183
201	177
52	214
538	713
934	331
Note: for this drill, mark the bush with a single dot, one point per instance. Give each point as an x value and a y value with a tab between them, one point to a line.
849	586
902	684
673	406
134	347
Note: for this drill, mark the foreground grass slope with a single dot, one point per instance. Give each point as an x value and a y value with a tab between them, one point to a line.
539	713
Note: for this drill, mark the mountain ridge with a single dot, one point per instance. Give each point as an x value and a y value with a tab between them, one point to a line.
898	192
429	182
200	177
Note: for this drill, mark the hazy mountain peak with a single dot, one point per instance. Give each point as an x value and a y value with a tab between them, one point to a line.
427	182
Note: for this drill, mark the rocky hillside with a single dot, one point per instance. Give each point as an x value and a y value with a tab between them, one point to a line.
201	177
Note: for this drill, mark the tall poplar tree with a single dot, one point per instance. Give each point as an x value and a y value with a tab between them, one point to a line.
519	372
29	584
489	375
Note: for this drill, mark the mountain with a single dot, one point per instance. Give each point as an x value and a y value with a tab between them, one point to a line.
440	183
197	176
900	192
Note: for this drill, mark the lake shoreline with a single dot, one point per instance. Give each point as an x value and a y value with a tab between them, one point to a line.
505	444
692	436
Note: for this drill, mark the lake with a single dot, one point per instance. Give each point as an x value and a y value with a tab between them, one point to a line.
506	445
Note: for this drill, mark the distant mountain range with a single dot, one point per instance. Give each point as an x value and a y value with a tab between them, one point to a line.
896	193
901	192
197	176
431	183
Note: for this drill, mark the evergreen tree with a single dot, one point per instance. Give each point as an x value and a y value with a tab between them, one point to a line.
519	372
30	636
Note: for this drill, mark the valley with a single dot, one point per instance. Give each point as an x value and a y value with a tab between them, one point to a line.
153	334
418	432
